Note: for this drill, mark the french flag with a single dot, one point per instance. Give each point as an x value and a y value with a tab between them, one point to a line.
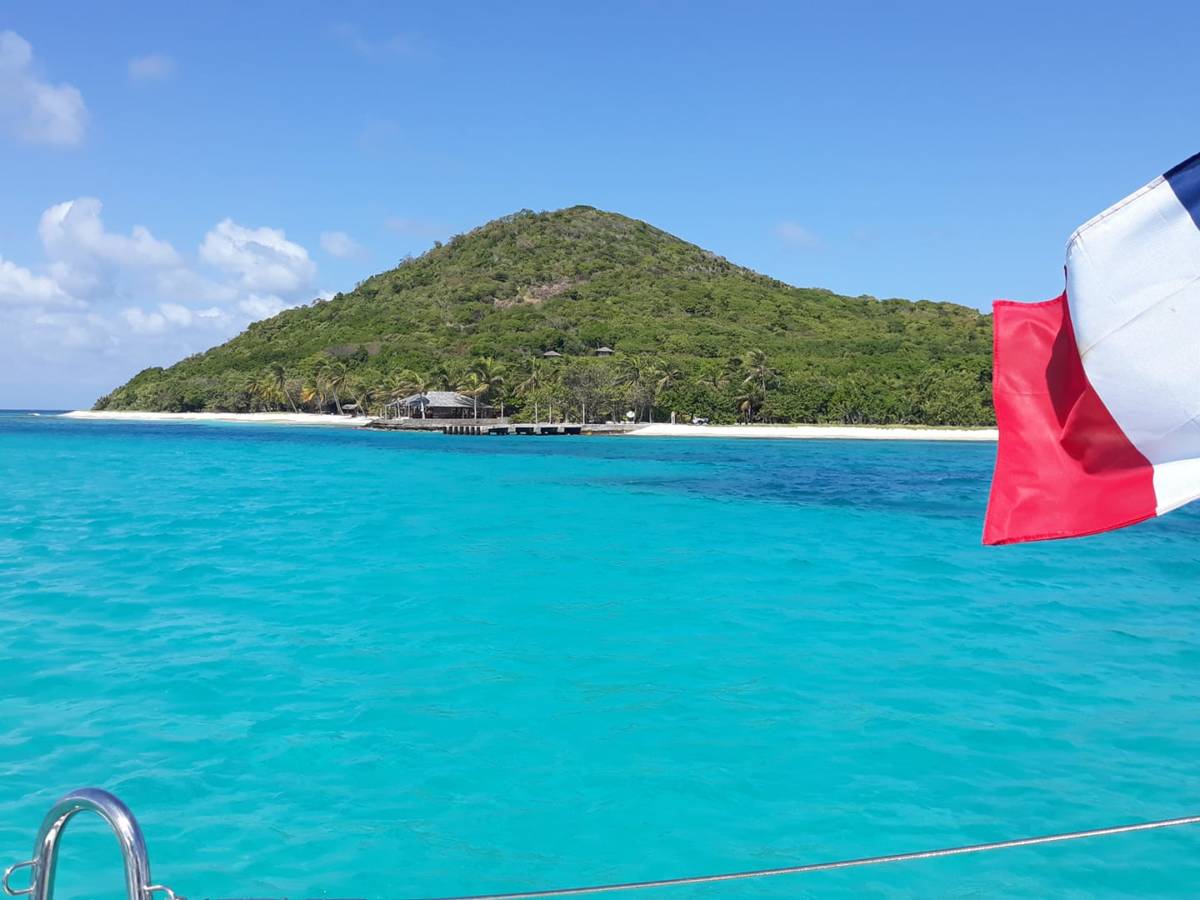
1097	392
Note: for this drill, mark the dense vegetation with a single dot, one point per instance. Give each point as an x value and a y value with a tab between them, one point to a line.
692	334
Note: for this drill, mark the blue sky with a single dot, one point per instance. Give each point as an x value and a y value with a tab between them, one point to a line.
172	171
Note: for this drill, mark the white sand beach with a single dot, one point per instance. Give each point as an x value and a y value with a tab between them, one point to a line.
819	432
271	418
793	432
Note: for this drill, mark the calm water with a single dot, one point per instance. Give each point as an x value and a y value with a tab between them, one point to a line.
323	664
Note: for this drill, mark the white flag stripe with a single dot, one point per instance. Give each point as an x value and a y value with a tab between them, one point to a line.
1133	285
1176	484
1128	259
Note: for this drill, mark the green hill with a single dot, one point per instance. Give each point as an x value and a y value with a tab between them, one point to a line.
692	333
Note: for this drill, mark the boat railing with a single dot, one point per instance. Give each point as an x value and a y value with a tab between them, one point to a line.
139	886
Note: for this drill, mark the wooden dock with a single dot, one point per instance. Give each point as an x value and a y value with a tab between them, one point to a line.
499	428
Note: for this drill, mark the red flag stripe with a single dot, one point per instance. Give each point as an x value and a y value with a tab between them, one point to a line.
1064	467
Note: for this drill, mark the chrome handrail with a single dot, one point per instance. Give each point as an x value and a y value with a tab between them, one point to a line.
138	885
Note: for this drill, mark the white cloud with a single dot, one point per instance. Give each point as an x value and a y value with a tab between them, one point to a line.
142	322
176	317
152	67
74	231
104	304
796	234
263	259
177	314
339	244
182	282
260	307
71	331
88	261
31	108
19	286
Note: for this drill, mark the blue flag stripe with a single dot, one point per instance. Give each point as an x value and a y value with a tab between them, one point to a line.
1185	182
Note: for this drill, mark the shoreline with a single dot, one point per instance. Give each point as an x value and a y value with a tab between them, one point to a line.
822	432
271	418
661	429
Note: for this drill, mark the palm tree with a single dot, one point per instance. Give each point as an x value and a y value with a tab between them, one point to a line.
314	392
715	382
638	378
533	380
252	391
405	383
473	386
366	398
666	376
361	392
757	370
335	373
279	377
441	379
268	392
552	383
734	369
507	397
749	403
485	377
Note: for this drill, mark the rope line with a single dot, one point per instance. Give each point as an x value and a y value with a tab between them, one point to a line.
839	864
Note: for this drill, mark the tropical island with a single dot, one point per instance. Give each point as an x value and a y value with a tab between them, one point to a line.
589	315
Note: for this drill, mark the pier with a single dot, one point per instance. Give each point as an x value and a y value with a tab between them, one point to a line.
500	427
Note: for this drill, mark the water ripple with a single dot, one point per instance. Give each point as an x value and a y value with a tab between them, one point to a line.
378	665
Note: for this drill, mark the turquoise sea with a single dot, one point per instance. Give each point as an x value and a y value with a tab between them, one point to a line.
345	664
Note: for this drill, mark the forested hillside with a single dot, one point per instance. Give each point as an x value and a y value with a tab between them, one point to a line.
691	333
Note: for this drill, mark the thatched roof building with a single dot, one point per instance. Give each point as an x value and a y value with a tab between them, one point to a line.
438	405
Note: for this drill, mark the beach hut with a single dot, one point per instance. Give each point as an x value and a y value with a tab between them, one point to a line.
551	354
604	351
438	405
